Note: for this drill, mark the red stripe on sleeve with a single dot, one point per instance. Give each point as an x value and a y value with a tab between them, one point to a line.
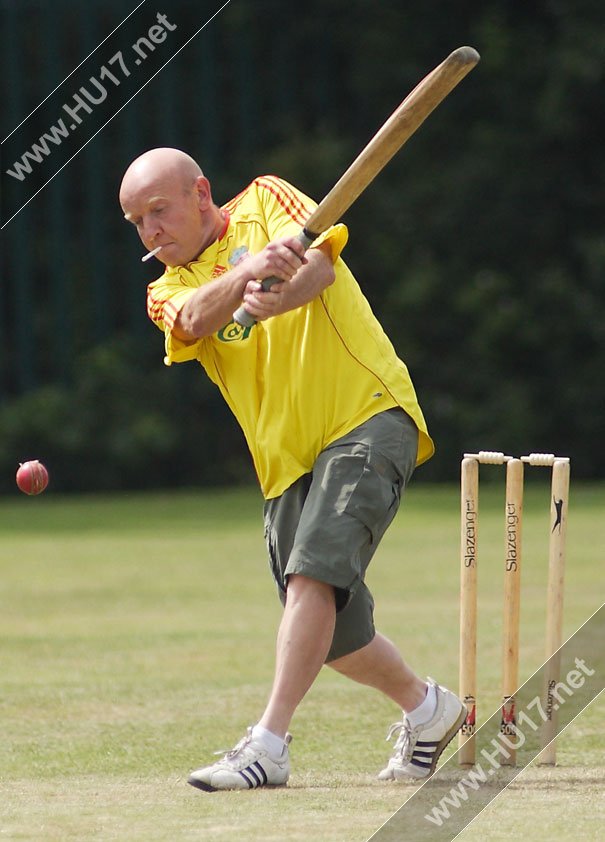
233	203
170	314
289	201
157	308
154	307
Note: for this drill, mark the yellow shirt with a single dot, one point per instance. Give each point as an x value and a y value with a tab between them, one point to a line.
298	381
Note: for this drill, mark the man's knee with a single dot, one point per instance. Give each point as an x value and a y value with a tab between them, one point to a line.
354	627
303	587
347	663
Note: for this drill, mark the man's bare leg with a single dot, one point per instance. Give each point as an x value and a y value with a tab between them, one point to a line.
303	642
380	665
432	714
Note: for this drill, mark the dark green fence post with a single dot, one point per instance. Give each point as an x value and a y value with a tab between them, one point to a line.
18	245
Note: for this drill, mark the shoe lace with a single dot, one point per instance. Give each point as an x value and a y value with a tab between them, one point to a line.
404	737
232	752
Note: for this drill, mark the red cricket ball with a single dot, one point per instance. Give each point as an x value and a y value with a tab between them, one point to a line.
32	477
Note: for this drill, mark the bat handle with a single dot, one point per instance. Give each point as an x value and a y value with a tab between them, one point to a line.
241	315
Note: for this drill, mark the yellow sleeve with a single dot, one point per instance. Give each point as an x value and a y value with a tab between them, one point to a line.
165	299
337	236
286	210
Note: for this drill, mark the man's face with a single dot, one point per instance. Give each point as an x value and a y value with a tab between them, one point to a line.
169	214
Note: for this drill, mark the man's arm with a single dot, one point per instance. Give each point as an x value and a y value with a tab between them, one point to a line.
307	283
211	306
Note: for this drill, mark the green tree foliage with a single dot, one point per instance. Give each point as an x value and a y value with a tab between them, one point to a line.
124	423
480	246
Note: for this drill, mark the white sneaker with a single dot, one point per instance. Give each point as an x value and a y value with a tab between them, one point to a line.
418	749
246	766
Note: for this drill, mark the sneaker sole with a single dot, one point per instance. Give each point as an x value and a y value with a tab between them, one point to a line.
201	785
208	788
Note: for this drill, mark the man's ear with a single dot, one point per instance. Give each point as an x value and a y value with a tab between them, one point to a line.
204	193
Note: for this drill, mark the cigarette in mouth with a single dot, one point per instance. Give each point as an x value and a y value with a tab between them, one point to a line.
150	254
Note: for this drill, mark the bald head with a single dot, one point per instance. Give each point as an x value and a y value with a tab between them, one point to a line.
166	195
159	165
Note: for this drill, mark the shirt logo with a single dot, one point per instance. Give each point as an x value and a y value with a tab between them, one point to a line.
237	255
218	271
233	332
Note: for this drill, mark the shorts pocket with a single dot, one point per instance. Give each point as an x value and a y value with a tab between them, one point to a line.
375	498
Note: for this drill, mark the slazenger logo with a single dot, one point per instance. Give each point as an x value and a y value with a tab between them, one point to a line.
471	534
233	332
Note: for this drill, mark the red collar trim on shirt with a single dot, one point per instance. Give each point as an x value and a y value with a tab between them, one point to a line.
227	217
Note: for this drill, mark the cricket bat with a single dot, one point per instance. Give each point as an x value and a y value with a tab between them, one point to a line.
399	127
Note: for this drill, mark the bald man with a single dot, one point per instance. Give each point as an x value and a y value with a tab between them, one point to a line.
333	425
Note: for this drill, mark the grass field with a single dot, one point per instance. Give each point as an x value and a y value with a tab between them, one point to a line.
136	637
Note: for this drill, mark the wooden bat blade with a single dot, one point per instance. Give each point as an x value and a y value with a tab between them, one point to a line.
400	126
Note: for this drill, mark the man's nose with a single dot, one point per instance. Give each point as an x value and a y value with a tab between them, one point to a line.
151	228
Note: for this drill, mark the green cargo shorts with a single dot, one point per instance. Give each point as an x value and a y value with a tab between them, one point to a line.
328	524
